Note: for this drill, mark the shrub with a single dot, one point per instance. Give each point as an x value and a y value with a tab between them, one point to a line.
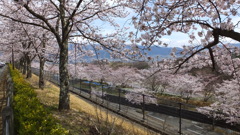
140	65
30	117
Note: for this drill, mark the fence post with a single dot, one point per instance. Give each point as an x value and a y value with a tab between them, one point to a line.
45	74
102	90
48	74
72	82
143	107
180	119
80	86
90	88
58	79
119	99
7	117
213	122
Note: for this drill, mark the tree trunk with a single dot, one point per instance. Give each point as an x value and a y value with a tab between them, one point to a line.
29	69
41	82
24	66
64	78
21	64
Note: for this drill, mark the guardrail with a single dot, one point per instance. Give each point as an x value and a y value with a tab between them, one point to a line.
7	112
166	117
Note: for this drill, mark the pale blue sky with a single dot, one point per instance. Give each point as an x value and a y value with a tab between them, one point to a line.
174	40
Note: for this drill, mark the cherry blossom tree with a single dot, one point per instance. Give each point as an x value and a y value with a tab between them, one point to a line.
10	45
124	77
185	85
28	49
206	21
21	42
140	95
225	78
227	102
155	82
68	19
46	50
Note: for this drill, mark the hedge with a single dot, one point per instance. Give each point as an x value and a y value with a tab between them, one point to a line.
30	116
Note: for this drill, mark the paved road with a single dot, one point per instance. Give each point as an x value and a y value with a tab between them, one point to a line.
162	122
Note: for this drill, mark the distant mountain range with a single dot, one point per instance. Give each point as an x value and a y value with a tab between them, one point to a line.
162	52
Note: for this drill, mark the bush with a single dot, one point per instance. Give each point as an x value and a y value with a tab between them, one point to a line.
30	117
140	65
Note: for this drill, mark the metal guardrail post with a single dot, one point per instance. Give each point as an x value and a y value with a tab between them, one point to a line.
80	86
7	116
7	130
7	112
143	107
119	99
180	119
102	90
90	88
213	122
46	74
72	80
58	80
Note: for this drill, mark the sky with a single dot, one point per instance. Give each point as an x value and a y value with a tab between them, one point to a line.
174	40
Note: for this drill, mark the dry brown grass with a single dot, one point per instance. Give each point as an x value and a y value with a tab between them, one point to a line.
84	117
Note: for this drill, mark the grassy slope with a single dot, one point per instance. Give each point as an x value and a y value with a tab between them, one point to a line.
85	118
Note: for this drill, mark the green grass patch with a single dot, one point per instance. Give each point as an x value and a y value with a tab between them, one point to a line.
30	116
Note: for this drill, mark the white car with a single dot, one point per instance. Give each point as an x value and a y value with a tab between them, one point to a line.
2	64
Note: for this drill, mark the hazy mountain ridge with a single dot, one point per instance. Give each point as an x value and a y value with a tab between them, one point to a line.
162	52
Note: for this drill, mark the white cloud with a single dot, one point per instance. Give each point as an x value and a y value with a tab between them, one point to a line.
229	40
176	40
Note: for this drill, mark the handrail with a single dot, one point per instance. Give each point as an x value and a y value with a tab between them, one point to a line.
7	112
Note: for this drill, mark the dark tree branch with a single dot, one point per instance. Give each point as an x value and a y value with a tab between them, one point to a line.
212	58
54	5
219	17
65	27
74	12
40	17
229	33
99	42
24	22
213	43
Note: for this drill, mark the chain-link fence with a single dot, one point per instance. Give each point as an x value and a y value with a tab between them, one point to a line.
161	115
